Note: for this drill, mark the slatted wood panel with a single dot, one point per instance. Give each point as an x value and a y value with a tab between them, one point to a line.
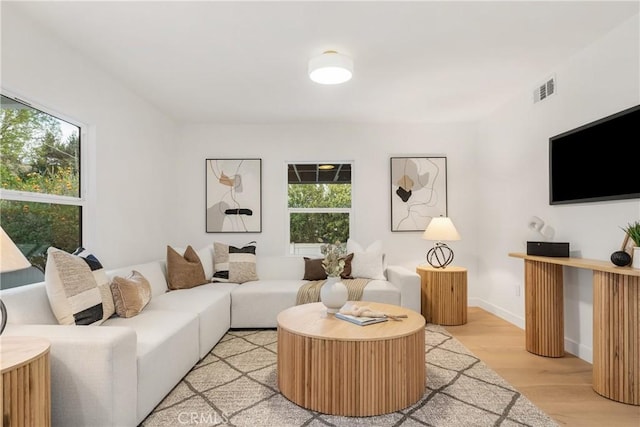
616	336
544	321
26	382
334	367
444	294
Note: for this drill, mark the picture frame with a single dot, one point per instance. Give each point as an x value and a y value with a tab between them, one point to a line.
233	201
418	191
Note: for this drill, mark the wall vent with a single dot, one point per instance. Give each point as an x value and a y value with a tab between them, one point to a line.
545	90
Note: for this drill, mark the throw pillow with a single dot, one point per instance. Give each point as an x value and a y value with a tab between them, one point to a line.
313	269
130	294
348	268
235	265
77	287
184	272
367	263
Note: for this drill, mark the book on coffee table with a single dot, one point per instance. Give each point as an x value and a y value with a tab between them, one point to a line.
360	320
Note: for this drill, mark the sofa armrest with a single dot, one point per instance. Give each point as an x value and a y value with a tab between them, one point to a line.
409	284
93	373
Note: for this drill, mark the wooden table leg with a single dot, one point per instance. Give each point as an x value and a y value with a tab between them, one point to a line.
616	336
544	323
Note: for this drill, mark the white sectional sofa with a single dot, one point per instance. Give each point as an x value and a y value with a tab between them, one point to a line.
116	373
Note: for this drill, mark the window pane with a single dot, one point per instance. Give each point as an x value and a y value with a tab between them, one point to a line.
320	195
40	152
318	227
35	226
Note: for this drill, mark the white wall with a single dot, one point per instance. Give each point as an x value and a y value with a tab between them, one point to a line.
368	146
129	141
512	166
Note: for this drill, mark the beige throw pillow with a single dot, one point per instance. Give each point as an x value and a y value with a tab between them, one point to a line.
130	294
184	272
77	287
235	265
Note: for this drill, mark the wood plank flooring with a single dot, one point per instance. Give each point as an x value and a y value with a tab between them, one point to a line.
559	386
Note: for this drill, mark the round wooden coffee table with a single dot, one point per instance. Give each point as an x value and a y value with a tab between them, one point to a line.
335	367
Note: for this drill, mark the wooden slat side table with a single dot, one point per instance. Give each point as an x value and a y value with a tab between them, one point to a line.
443	294
26	382
335	367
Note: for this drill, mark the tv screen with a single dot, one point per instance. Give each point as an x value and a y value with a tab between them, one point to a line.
597	161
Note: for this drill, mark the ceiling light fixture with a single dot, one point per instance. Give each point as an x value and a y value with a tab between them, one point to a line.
330	68
326	167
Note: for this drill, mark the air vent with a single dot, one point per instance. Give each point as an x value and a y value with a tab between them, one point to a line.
545	90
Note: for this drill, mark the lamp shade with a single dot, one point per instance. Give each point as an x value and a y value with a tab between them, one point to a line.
441	229
330	68
11	258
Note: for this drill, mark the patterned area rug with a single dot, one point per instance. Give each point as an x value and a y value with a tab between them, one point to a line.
236	385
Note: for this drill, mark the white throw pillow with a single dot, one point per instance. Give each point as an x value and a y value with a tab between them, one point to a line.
367	263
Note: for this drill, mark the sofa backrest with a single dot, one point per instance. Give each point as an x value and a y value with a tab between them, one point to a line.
155	272
279	267
28	305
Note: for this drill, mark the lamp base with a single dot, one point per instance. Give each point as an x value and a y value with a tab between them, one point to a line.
440	255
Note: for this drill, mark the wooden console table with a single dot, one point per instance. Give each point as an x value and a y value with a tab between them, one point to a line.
26	382
616	320
443	294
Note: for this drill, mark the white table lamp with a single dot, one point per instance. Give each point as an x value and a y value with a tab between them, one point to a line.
11	259
440	229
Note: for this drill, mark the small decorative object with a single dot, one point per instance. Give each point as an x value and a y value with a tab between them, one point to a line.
439	229
633	231
334	293
622	258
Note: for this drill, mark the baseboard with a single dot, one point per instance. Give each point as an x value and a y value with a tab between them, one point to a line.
581	351
498	311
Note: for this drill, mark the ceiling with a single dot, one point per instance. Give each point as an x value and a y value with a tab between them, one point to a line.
318	173
246	62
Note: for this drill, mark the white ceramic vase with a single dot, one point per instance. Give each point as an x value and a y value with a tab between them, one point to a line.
636	257
333	294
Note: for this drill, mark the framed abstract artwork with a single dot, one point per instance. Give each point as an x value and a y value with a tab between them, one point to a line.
234	195
418	191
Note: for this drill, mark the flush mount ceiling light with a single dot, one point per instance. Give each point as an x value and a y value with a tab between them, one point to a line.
330	68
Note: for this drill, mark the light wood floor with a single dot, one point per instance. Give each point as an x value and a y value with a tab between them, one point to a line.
561	387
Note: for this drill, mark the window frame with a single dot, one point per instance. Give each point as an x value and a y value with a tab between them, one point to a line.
289	210
82	199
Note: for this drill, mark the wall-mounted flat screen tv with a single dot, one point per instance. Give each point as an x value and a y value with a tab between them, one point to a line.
598	161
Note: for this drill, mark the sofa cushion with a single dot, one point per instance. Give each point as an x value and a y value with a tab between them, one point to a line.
130	294
78	288
232	264
211	302
184	271
256	304
167	348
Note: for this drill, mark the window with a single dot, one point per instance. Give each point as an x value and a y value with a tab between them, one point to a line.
41	200
319	205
